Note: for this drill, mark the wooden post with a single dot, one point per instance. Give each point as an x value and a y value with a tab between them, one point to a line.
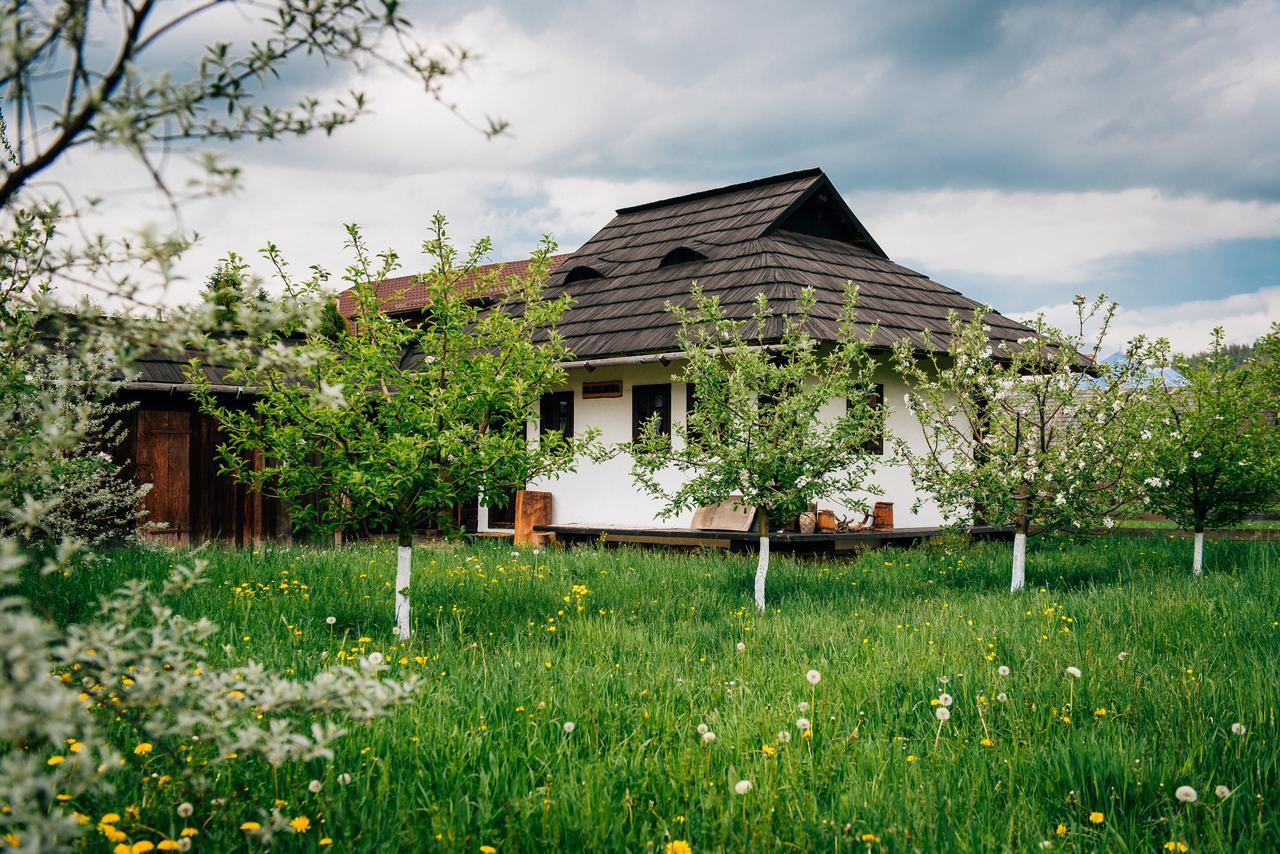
532	508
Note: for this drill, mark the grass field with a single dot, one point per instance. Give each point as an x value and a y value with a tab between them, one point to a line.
637	648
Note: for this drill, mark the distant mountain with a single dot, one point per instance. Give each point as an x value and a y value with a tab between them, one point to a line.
1169	376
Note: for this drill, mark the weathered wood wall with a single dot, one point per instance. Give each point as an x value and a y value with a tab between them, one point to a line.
173	447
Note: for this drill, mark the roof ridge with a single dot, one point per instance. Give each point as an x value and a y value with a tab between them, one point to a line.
813	172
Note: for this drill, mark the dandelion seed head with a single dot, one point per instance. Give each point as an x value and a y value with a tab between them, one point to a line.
814	677
743	786
1222	791
569	727
1239	728
185	809
1186	794
1003	670
1073	672
942	713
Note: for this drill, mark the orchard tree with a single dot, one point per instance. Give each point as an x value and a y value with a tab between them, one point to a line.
1039	434
1215	448
757	427
391	423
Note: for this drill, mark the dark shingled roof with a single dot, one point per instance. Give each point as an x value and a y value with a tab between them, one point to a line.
774	236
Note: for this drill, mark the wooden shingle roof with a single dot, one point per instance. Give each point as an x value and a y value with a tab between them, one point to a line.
774	236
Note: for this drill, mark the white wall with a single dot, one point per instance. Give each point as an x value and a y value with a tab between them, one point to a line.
604	494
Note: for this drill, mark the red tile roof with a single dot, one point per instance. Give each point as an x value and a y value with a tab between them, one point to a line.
404	295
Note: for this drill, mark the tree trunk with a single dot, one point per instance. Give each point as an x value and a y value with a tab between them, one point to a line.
762	568
1020	528
1197	560
404	563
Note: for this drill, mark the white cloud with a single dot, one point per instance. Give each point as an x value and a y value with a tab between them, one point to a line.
1052	237
1187	325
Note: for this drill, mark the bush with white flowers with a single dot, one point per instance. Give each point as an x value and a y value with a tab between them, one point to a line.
1215	451
1038	434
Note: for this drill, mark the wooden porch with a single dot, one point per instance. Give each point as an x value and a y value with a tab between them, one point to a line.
789	541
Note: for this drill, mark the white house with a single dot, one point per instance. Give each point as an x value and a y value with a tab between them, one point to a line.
775	235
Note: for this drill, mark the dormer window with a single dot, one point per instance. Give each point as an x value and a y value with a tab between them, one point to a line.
577	274
681	255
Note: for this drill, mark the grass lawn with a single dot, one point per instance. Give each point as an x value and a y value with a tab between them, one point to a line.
637	648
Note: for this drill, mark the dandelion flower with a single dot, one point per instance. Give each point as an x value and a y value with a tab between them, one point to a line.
803	724
1073	672
326	841
250	825
708	736
1176	845
677	846
314	786
1002	697
814	677
143	749
375	658
1097	817
1061	830
331	620
742	787
569	727
702	729
185	809
1003	670
1222	792
1186	794
488	849
300	824
168	845
1238	728
57	760
944	699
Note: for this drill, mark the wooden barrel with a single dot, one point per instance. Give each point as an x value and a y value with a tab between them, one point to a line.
882	516
826	521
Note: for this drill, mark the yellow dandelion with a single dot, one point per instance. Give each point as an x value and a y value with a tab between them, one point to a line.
142	846
57	760
677	846
1097	817
110	818
168	845
189	831
250	825
869	838
985	742
1176	845
143	749
325	841
1061	830
300	824
488	849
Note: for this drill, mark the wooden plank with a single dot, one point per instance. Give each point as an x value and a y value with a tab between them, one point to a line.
532	508
164	461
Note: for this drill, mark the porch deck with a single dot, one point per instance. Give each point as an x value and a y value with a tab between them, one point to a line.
816	543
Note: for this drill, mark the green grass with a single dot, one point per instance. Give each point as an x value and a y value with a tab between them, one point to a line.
482	757
1247	525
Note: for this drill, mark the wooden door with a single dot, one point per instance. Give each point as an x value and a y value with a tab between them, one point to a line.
164	461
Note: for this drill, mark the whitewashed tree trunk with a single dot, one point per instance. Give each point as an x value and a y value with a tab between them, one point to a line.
762	566
404	564
1197	561
1019	562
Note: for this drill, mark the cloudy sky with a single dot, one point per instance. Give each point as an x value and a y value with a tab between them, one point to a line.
1022	152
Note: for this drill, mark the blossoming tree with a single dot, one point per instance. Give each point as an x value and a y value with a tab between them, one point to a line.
1042	434
757	428
1216	453
392	423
